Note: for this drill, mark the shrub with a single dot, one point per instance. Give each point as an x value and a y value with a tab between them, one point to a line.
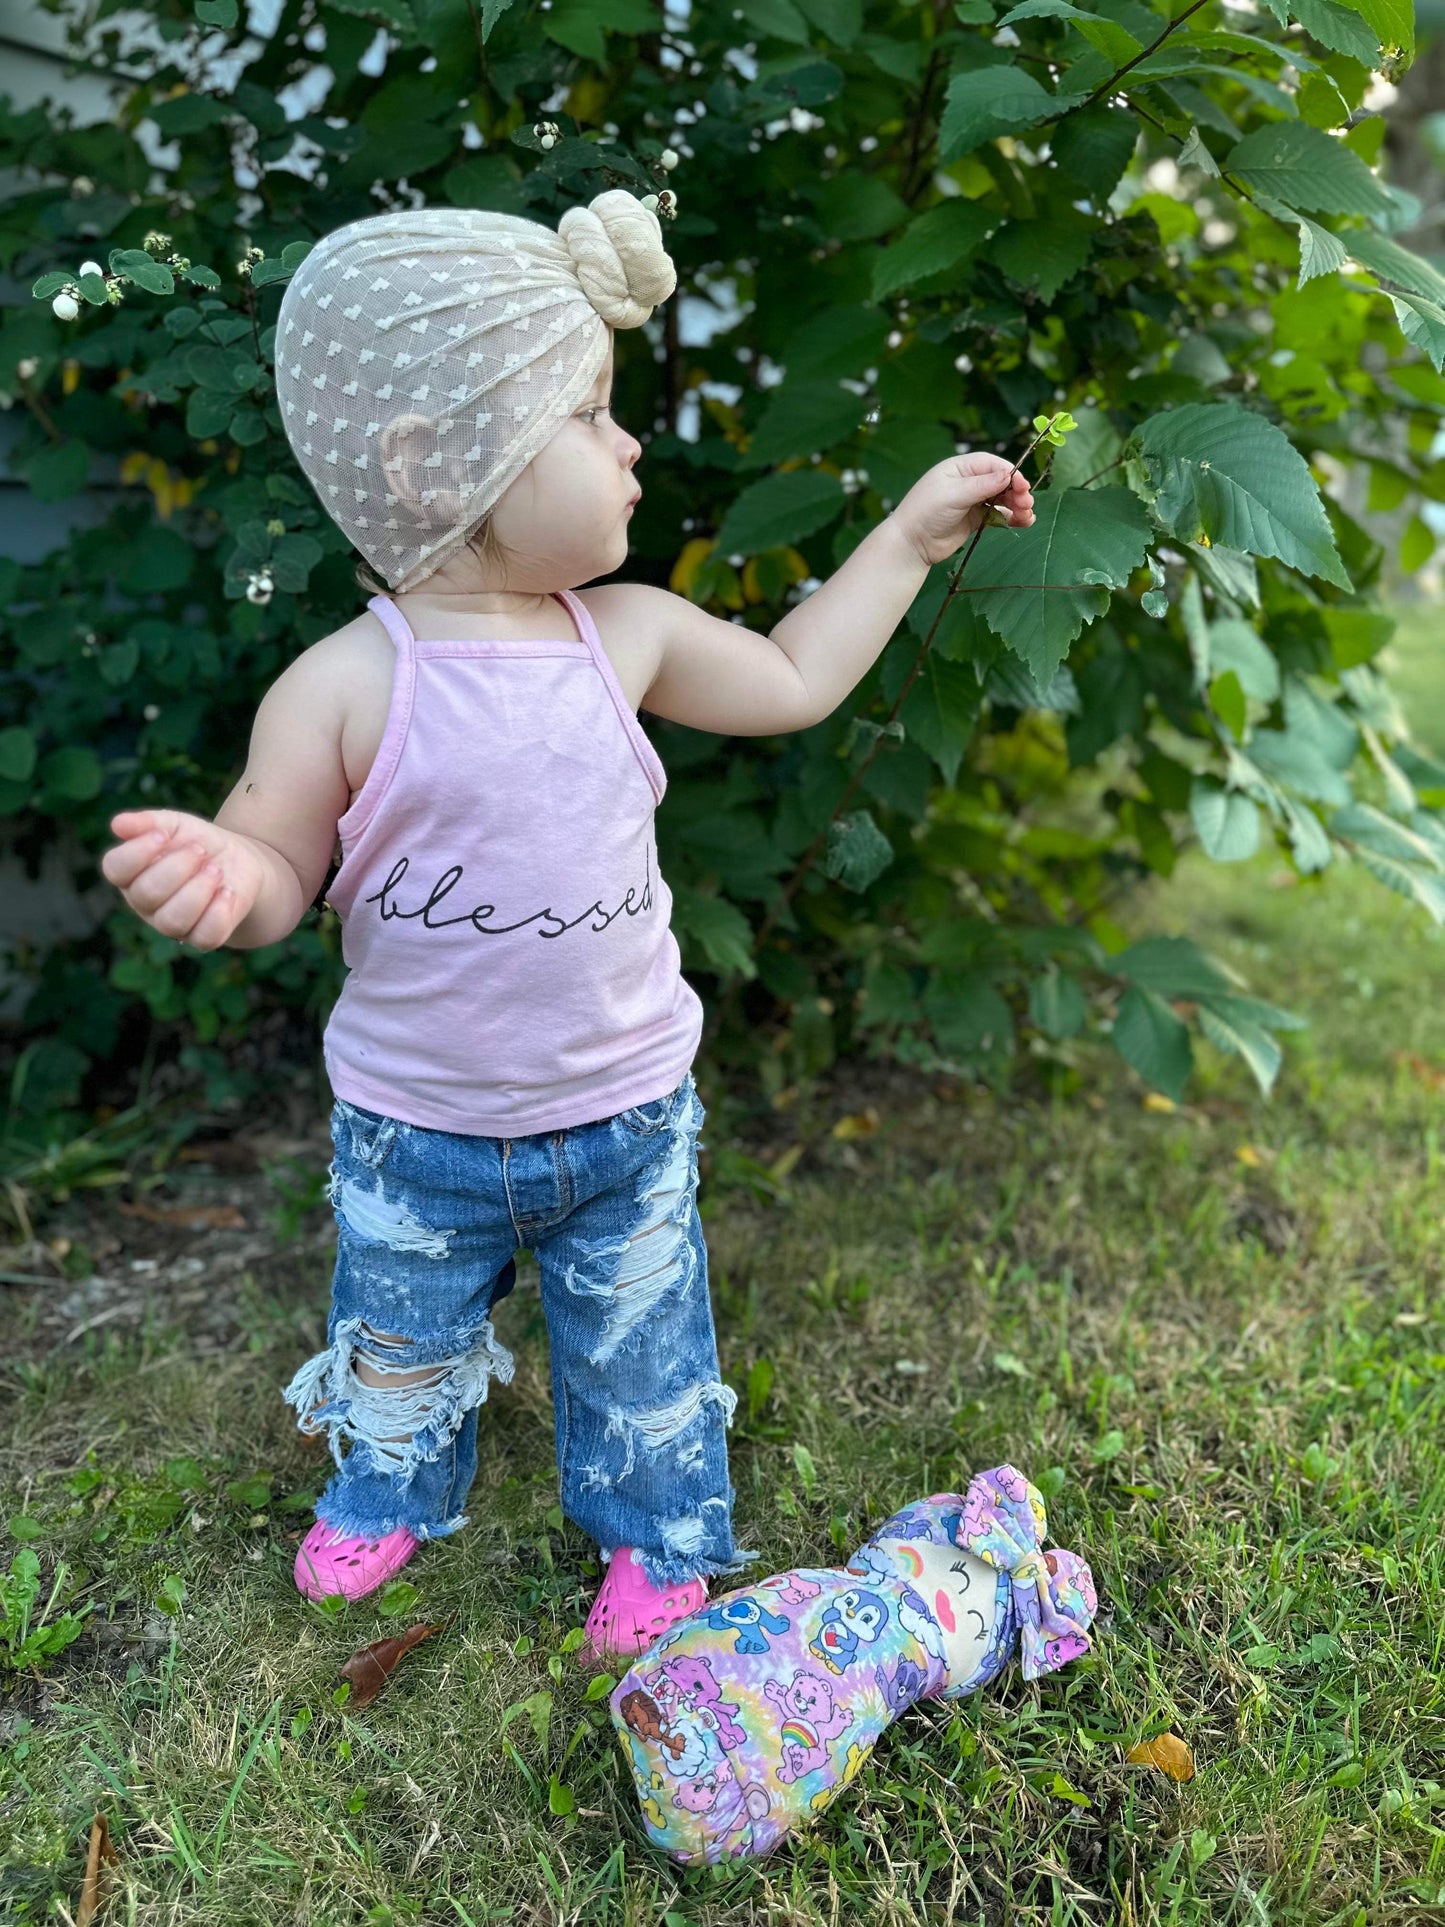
938	223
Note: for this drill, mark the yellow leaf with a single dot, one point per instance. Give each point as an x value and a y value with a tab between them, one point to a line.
1157	1101
1167	1754
781	1166
859	1124
69	377
684	570
587	100
1246	1154
134	465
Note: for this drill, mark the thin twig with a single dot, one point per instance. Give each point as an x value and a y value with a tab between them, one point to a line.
1143	54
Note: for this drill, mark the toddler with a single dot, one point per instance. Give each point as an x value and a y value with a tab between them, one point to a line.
511	1054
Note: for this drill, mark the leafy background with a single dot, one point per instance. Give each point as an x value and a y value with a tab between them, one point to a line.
1186	230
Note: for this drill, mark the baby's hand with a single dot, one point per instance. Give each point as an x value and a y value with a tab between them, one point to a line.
185	877
947	504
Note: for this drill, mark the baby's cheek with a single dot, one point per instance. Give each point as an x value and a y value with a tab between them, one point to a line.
943	1607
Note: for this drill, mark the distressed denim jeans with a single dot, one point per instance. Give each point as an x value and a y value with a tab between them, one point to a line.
429	1222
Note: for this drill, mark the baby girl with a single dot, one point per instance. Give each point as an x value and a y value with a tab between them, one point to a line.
511	1055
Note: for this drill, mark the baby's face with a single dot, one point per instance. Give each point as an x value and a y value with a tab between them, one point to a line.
959	1590
566	515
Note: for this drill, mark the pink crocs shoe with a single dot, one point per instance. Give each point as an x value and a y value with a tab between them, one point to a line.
329	1562
629	1612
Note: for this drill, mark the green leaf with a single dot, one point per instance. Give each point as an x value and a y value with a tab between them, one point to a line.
969	1017
1320	252
844	340
858	852
1233	645
1307	168
1056	1004
17	755
780	509
1093	149
1226	694
143	269
1229	572
858	207
803	418
1057	575
1294	759
779	19
1172	966
1392	21
719	929
1421	886
1231	1032
191	113
840	21
1370	829
73	772
1340	28
58	470
1148	1036
940	710
940	239
1043	255
988	101
1225	472
1228	823
1422	324
1391	262
217	13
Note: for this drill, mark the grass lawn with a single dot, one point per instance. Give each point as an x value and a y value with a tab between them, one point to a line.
1217	1331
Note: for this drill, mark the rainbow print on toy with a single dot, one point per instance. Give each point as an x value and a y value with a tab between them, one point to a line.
743	1722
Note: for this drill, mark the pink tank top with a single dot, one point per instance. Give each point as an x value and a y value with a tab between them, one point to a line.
504	922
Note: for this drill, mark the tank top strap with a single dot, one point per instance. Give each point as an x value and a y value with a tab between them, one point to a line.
396	625
627	715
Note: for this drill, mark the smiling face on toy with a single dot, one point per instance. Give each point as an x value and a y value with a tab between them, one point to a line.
959	1590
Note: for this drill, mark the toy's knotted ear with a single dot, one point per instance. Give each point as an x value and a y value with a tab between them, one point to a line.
1003	1523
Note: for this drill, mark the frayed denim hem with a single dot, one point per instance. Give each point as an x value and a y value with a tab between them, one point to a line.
371	1529
678	1569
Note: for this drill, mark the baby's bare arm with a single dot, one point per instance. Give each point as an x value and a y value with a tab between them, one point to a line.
292	792
247	878
720	676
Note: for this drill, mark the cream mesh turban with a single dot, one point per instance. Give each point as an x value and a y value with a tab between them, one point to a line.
424	358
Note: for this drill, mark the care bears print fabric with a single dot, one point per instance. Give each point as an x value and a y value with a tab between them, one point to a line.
743	1723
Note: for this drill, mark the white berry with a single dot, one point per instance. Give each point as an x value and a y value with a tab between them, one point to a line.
66	306
91	267
650	200
548	142
668	157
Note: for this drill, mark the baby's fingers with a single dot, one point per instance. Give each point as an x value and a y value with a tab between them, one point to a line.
216	921
182	911
163	872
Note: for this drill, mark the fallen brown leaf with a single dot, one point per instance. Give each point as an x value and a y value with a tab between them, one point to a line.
373	1666
1432	1076
100	1854
1167	1754
197	1217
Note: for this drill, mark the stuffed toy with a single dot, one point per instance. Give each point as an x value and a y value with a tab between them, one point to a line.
743	1722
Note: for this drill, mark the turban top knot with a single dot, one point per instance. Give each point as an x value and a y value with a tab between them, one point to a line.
424	358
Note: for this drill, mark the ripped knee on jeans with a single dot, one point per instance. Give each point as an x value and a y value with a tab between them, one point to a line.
402	1399
655	1260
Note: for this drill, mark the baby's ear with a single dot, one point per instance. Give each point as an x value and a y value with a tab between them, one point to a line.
406	442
